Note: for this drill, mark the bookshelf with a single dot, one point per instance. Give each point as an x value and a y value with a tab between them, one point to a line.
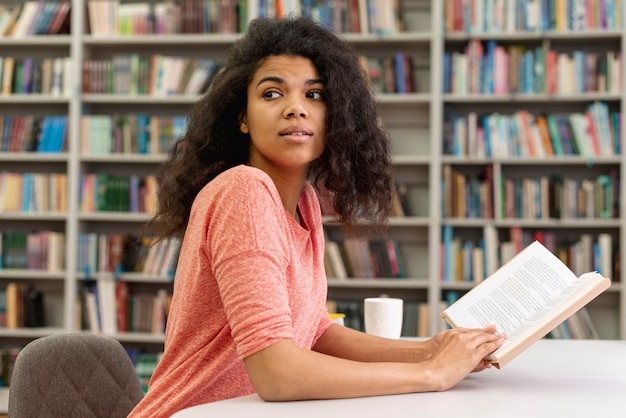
39	104
419	124
568	65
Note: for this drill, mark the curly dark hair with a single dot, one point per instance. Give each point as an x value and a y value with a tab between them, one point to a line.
355	167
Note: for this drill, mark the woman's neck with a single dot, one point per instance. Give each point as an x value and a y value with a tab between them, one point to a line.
289	186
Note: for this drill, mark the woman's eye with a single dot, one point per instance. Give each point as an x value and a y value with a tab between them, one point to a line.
317	95
271	94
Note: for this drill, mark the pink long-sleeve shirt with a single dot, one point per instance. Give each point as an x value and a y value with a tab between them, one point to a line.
248	276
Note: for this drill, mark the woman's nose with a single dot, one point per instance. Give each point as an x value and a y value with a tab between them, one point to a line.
295	108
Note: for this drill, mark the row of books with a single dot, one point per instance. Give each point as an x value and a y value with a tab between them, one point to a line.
32	250
467	194
117	193
466	260
492	68
117	253
108	307
363	258
587	252
47	192
32	18
21	306
28	133
380	17
506	16
556	197
157	259
97	253
131	133
592	133
33	192
160	75
462	260
392	74
111	17
470	195
35	75
155	75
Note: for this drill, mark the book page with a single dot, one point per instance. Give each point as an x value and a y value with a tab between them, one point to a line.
549	308
518	294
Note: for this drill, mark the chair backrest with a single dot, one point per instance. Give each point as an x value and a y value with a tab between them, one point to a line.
73	375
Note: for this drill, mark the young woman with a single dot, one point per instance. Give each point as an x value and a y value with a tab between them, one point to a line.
291	105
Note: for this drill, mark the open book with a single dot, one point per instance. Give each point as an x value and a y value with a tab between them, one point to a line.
526	298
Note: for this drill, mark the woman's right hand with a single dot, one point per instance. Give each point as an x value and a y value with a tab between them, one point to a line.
462	351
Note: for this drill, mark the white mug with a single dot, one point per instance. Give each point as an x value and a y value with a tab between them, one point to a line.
383	317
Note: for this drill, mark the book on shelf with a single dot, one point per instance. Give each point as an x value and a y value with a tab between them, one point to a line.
129	134
35	18
26	18
8	65
117	253
401	205
415	319
110	306
22	306
32	250
107	305
110	193
410	318
335	266
33	134
526	298
8	18
462	260
467	195
60	22
358	257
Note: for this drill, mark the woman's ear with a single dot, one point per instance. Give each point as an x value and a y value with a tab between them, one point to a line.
243	125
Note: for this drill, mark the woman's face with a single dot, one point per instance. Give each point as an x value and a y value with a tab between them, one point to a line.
286	115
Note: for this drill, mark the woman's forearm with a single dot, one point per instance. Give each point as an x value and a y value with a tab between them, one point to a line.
285	372
368	366
344	342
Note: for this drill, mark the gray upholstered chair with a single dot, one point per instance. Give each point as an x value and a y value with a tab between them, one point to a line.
73	375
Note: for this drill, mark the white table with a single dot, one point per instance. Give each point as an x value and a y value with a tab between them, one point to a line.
553	378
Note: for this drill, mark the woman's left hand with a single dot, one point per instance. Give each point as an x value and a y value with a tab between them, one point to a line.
435	341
